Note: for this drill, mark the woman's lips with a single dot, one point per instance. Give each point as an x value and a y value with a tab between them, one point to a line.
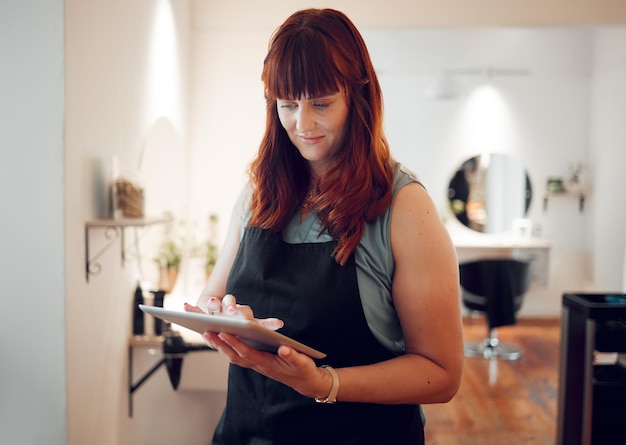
310	140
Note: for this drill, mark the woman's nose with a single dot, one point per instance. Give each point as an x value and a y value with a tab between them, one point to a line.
305	121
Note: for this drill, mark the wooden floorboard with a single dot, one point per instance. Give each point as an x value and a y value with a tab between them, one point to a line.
503	402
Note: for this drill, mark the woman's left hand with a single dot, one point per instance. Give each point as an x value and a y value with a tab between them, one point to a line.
287	366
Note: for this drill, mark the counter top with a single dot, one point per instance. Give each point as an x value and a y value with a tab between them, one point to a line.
473	245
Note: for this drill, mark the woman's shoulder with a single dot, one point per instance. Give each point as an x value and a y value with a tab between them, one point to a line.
402	176
411	202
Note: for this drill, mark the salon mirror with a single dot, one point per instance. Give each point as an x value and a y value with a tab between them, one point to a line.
488	192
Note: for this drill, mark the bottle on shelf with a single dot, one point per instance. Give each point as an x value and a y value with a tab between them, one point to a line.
138	315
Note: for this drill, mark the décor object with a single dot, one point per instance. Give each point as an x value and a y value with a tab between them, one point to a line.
168	261
138	317
574	181
488	192
159	296
572	187
555	185
210	246
128	198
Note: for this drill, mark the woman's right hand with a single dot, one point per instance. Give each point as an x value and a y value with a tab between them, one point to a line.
228	307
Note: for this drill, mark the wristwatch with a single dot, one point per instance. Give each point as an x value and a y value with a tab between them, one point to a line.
334	389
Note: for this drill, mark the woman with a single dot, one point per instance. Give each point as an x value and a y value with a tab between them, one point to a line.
340	247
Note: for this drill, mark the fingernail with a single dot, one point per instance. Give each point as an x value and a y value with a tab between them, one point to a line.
213	305
231	310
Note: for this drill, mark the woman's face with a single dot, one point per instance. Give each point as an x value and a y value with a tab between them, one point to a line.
316	126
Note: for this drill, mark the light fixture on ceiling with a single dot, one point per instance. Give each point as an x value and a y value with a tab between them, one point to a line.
445	86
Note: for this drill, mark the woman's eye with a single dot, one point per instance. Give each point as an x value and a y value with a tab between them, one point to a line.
288	106
321	106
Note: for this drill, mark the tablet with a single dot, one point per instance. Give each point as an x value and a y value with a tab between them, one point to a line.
250	332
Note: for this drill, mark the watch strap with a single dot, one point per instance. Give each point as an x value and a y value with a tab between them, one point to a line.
334	389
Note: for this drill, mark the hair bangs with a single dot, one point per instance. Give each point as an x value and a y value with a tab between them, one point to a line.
301	66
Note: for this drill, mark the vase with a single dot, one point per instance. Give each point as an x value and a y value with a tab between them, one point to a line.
167	279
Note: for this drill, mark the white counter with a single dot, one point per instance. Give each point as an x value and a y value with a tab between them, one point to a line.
473	245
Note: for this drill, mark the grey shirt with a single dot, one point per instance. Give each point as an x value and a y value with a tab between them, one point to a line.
374	264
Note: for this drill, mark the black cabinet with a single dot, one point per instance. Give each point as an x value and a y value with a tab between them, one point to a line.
592	396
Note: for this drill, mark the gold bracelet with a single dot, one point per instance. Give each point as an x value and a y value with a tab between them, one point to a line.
334	389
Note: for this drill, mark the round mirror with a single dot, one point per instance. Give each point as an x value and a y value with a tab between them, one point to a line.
490	191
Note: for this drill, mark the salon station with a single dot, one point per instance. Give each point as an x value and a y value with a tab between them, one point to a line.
489	197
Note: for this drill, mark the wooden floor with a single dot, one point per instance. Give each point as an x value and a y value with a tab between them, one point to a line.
503	402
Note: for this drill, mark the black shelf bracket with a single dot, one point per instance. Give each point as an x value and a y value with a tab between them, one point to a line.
114	230
174	349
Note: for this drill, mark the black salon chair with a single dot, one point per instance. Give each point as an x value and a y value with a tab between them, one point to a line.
495	287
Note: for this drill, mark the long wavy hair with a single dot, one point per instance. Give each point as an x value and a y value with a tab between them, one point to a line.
317	52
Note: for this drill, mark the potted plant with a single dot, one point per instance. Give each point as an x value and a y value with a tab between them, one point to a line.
210	247
168	261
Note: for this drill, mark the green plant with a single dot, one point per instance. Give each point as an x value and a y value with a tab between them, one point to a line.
170	252
169	255
211	256
211	250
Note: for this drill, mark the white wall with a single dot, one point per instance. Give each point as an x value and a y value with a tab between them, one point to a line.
608	145
32	282
127	96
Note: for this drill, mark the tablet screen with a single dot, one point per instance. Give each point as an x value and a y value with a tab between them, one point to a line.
248	331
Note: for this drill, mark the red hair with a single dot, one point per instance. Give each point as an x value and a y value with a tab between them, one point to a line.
317	52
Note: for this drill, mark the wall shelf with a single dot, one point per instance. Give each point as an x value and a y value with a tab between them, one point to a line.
173	348
565	194
114	229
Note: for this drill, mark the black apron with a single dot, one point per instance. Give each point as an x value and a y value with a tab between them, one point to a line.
320	304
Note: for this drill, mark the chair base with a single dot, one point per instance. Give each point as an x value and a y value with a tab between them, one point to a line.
492	348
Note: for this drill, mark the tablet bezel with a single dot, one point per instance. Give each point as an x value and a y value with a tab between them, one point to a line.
248	331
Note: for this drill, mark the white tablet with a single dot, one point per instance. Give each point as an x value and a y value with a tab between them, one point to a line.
248	331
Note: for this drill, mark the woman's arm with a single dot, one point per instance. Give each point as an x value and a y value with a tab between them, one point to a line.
425	293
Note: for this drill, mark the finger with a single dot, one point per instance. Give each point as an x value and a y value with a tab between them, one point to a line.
236	350
228	345
211	339
191	308
229	300
214	306
229	305
293	358
272	324
285	352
